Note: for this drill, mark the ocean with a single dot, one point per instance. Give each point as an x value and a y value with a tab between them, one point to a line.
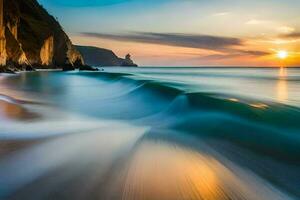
151	134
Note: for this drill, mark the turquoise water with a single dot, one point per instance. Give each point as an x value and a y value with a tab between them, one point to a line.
151	133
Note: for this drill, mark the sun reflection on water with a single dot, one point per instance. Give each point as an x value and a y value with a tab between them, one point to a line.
164	171
282	86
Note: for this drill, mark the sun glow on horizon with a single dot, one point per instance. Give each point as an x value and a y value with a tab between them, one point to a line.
282	54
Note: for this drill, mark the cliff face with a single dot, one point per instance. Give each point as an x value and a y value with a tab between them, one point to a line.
29	36
95	56
2	37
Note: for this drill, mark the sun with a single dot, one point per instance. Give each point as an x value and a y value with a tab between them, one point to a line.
282	54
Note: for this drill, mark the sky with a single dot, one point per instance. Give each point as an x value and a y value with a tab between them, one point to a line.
186	32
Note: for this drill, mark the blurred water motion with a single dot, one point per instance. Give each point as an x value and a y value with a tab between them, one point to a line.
91	153
151	133
16	112
166	171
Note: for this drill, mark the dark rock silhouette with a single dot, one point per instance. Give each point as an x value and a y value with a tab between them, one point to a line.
95	56
87	68
128	62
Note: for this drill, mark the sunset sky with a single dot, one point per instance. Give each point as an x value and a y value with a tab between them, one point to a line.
186	32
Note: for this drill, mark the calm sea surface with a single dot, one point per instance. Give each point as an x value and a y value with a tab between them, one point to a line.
151	133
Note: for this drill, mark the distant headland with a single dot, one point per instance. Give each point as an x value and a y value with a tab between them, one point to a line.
95	56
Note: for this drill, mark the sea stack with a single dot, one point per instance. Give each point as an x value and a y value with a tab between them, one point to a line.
128	61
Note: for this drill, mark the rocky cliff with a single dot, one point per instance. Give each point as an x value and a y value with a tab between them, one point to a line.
31	38
95	56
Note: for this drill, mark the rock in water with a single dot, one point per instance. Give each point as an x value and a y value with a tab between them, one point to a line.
128	62
29	36
87	68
